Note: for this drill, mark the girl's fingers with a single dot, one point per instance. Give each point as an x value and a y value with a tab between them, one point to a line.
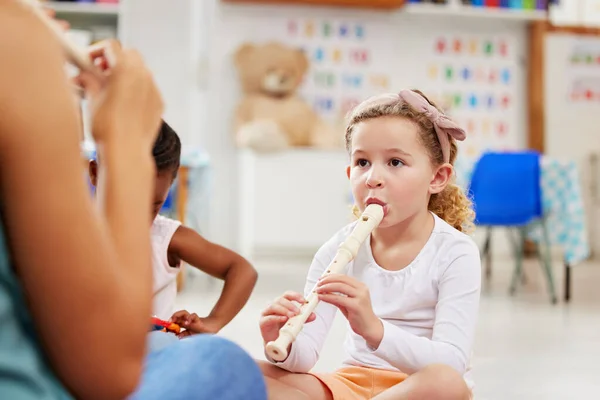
277	309
339	278
192	318
184	334
342	302
273	319
179	317
289	305
294	296
337	287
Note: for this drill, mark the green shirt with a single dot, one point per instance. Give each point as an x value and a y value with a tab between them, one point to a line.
24	371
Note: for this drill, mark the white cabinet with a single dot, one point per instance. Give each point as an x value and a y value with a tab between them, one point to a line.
292	201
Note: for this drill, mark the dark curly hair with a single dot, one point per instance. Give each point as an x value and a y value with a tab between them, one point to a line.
167	149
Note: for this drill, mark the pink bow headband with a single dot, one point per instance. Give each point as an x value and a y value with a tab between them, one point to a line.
444	126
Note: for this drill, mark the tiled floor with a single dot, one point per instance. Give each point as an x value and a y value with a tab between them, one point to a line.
525	349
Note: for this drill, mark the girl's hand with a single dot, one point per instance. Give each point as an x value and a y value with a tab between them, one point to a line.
354	301
194	325
125	104
278	313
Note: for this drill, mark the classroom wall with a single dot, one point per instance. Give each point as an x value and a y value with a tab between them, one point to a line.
173	38
401	47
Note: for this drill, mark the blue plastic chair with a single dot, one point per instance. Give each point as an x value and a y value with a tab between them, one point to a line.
506	192
168	207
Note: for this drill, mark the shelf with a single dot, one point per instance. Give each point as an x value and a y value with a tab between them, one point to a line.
458	10
375	4
453	9
83	9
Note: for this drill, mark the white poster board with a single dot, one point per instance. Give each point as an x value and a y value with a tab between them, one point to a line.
572	100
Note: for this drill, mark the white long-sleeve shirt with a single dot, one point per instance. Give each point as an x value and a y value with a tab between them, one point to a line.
428	309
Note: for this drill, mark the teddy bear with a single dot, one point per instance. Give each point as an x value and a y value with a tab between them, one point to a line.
271	116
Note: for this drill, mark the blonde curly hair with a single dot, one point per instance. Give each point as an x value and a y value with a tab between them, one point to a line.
451	204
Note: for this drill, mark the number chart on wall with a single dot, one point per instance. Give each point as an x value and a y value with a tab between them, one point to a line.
474	78
583	71
343	67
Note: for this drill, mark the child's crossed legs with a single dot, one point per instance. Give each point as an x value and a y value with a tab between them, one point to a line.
435	382
282	384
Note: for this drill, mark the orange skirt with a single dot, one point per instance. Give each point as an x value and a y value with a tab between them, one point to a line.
359	383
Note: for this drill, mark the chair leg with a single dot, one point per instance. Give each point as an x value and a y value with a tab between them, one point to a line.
518	247
487	253
546	261
523	241
567	282
523	277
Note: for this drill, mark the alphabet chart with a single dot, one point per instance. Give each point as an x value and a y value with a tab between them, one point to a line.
474	80
474	71
342	71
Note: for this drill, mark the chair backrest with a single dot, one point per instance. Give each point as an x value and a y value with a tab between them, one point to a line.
167	208
169	205
505	188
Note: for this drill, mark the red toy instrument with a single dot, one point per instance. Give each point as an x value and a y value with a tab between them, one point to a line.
165	326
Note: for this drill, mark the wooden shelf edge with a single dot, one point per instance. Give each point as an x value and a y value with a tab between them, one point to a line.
576	30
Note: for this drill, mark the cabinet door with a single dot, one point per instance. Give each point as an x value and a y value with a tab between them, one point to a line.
292	201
